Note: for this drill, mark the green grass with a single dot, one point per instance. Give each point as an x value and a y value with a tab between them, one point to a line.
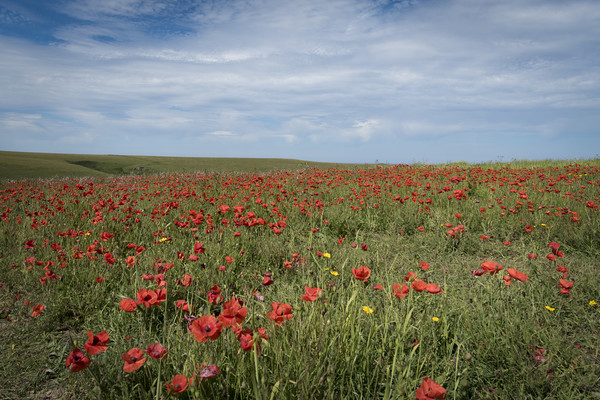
19	165
482	345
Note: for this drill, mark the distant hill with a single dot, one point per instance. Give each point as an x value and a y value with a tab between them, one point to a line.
18	165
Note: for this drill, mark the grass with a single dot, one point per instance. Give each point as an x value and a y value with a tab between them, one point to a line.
20	165
479	339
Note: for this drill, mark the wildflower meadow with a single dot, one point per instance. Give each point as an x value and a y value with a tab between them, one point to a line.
390	282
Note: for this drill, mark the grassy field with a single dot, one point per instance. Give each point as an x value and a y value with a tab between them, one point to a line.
301	282
18	165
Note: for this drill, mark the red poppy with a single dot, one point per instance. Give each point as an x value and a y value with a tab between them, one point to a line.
206	327
410	276
400	290
233	312
280	313
214	295
147	297
362	274
311	294
186	281
128	305
433	288
419	285
183	305
229	259
551	257
532	256
37	310
430	390
267	281
564	284
178	384
424	265
156	351
130	261
100	279
133	359
491	267
161	294
96	344
484	237
517	275
108	257
378	287
199	248
77	360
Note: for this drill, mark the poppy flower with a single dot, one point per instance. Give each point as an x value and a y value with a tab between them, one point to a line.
280	313
491	267
214	295
130	261
433	288
110	260
410	276
133	359
96	344
147	298
267	281
378	287
400	290
178	384
419	285
517	275
156	351
233	312
424	265
564	284
205	327
362	274
229	259
37	310
183	305
128	305
77	360
186	281
430	390
311	294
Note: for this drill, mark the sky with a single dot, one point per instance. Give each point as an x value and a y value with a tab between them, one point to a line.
360	81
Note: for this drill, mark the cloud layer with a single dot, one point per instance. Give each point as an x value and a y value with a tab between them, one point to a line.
341	80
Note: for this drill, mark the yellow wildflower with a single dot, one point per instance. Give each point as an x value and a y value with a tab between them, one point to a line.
368	309
593	303
550	308
435	319
326	255
334	273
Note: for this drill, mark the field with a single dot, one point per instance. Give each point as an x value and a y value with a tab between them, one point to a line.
301	281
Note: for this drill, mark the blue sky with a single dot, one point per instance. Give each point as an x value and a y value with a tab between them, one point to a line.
337	80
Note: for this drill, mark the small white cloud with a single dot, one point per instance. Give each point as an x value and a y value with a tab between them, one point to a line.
221	133
290	138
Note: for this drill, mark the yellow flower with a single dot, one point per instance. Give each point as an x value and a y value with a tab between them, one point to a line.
368	309
435	319
163	240
593	303
334	273
550	308
543	224
326	255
